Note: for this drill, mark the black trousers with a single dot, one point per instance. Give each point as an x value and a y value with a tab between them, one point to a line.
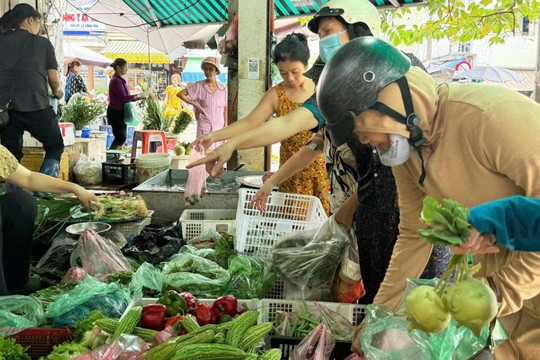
115	118
18	210
42	124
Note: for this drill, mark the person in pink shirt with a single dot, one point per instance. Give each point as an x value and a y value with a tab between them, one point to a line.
209	99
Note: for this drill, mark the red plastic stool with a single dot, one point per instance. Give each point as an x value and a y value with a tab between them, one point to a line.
148	136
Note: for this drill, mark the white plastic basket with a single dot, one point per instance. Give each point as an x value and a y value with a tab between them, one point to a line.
197	221
133	227
257	233
269	309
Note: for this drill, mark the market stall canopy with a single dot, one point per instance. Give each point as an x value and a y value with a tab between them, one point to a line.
167	24
185	12
84	55
169	40
134	52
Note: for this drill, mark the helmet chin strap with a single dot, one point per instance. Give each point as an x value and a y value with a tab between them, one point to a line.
411	121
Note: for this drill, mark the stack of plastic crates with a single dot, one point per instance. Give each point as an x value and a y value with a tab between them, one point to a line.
257	233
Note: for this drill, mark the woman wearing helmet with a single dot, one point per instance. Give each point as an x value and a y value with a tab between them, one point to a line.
339	21
461	144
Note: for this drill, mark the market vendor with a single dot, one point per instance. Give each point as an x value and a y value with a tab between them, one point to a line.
471	143
18	211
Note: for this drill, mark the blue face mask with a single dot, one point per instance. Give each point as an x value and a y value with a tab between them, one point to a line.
329	45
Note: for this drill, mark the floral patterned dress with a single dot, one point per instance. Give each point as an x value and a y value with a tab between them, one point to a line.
313	180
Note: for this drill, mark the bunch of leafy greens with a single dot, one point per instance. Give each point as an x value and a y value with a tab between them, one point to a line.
448	223
224	249
66	351
9	350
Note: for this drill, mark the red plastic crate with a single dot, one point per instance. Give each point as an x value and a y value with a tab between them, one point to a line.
42	340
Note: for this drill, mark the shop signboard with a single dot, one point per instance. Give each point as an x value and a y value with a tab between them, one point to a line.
77	23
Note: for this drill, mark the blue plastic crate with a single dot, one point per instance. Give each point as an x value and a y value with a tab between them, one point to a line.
107	128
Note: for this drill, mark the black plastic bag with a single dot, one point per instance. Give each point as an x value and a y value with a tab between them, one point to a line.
155	244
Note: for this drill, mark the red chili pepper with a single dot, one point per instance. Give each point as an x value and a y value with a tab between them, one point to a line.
241	311
153	316
225	305
176	323
191	300
205	314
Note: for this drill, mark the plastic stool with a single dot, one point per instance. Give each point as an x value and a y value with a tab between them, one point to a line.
148	136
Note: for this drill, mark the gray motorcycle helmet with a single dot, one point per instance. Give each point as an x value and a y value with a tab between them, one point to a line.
352	80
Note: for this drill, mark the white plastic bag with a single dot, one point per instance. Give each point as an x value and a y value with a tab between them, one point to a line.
87	172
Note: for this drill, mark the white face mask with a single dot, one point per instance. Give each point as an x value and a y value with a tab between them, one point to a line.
399	151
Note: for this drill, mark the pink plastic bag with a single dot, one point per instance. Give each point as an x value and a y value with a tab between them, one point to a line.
99	256
126	347
318	345
196	182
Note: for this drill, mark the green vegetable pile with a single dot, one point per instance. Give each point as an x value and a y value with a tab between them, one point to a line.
469	301
9	350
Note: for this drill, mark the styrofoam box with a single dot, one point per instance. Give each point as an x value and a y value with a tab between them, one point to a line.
252	304
269	309
197	221
66	129
257	233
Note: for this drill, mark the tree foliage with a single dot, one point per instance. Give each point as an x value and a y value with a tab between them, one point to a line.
460	20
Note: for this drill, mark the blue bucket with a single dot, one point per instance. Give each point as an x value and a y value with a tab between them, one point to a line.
85	132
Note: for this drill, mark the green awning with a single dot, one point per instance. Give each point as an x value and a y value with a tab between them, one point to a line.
186	12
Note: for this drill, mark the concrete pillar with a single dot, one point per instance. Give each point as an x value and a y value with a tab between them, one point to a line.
248	84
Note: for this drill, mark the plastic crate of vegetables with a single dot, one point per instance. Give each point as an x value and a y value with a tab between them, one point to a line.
272	309
197	221
269	309
257	232
42	340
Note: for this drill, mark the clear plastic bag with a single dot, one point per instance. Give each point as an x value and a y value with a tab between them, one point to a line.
86	171
194	274
98	255
250	277
57	256
336	323
146	276
284	322
348	286
196	182
205	240
318	345
386	336
308	265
